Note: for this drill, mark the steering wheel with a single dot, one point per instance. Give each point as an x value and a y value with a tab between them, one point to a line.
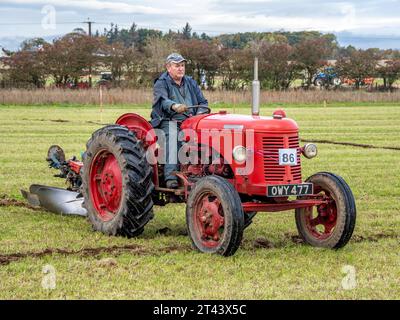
208	110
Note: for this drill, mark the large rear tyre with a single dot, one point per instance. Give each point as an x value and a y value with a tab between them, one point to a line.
117	182
318	82
214	216
329	225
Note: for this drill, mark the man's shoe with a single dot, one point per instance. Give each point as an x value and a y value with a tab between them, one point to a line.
172	184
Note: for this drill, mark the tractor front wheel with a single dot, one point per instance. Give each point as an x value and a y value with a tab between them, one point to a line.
328	225
214	216
117	182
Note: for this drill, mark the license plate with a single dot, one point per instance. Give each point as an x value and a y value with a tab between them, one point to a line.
287	157
285	190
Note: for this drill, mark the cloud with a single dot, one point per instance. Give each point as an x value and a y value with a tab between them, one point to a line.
221	16
348	21
114	6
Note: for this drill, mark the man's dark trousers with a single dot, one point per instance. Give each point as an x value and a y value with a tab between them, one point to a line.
171	147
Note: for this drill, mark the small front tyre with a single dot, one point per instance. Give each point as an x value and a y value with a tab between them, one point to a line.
214	216
329	225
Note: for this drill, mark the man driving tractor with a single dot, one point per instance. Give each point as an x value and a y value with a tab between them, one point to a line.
175	94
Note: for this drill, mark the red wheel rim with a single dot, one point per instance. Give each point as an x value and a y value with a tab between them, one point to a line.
105	185
322	221
209	220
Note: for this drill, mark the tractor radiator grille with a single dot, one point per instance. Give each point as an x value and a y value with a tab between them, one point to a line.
273	172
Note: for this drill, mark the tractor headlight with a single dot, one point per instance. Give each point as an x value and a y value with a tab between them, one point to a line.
239	153
310	150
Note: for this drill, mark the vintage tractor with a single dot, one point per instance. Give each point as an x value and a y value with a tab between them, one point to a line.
120	180
326	78
106	79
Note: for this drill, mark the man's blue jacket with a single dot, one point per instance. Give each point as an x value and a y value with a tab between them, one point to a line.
162	90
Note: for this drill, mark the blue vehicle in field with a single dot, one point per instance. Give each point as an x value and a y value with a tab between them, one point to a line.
326	78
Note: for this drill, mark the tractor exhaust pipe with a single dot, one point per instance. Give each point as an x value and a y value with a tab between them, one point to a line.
255	108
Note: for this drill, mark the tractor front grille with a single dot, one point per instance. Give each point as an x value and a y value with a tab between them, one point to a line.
273	172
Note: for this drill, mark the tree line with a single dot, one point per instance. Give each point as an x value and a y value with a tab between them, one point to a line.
135	57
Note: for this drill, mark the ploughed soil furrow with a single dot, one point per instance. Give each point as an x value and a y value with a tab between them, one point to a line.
6	201
351	144
6	259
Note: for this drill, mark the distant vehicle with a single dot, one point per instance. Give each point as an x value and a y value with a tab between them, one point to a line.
327	78
364	82
106	79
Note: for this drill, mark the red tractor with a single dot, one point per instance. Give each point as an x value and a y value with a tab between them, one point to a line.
120	186
120	180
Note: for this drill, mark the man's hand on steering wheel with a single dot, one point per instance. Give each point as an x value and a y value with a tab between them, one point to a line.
183	108
180	108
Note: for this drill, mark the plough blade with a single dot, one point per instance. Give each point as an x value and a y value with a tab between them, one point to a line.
54	199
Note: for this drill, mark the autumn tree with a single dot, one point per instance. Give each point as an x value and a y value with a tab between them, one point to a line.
155	52
69	58
236	68
310	55
58	66
203	59
359	65
26	69
117	58
390	73
135	68
277	71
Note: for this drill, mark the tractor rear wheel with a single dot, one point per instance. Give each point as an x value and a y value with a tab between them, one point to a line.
214	216
117	182
318	82
329	225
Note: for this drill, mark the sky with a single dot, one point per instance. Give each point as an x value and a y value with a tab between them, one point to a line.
365	23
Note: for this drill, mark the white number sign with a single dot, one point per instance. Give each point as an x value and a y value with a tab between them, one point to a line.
287	157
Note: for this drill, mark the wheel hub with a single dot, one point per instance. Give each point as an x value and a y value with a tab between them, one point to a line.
210	220
106	185
322	226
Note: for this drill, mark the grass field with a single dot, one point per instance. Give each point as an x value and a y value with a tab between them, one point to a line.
160	265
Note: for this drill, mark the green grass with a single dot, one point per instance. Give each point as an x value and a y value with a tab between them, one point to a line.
288	270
